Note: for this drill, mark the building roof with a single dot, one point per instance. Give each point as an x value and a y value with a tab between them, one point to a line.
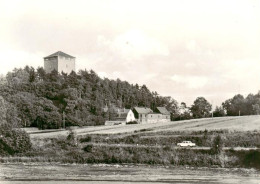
143	110
122	110
163	110
60	53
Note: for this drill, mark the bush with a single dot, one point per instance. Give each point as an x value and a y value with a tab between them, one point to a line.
13	141
85	139
131	122
252	159
88	148
217	145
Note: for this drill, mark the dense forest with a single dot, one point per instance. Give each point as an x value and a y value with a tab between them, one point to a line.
32	98
35	98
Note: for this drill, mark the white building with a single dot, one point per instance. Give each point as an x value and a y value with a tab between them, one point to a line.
124	116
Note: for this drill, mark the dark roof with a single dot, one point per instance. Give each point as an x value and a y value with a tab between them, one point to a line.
123	115
59	53
163	110
143	110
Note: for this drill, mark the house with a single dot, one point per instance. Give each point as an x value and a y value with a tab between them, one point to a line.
59	61
141	114
154	118
166	115
146	115
123	117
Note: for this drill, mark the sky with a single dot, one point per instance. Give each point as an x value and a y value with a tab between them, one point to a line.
183	49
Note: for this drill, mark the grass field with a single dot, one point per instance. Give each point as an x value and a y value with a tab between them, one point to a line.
154	144
242	123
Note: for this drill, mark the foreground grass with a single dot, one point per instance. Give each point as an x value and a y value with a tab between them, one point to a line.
85	150
201	138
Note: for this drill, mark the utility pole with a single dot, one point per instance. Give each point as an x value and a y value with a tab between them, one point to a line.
239	112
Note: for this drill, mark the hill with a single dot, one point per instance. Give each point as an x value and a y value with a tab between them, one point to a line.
242	123
44	100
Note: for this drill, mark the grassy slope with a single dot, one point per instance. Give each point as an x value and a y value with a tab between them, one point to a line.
90	148
243	123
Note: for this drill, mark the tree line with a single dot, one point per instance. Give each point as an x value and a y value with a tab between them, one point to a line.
50	100
33	98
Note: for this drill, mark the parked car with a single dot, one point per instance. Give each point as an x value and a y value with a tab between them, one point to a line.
186	144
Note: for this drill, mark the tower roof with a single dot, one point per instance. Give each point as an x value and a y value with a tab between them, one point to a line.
60	53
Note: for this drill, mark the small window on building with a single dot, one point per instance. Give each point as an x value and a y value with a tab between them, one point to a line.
66	66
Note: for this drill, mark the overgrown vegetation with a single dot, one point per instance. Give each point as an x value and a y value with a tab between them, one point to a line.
201	138
143	149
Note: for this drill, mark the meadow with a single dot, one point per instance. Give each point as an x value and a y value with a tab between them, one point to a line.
242	123
153	144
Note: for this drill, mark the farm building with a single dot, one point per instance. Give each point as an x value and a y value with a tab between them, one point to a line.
146	115
123	116
59	61
166	115
141	113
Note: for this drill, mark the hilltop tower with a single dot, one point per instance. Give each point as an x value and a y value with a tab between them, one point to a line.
59	61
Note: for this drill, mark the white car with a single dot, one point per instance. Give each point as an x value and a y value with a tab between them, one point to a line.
186	144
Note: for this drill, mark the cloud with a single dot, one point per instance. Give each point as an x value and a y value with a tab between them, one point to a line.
192	82
11	59
180	48
134	44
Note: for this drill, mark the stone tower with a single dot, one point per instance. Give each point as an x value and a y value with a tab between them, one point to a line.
60	62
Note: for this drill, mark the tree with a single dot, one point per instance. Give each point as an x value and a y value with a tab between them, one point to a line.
256	109
235	106
201	108
219	112
184	112
3	110
217	145
13	141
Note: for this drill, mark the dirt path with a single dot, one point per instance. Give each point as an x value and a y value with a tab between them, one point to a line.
53	173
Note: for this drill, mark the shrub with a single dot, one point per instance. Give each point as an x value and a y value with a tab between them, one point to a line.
217	145
13	141
88	148
85	139
131	122
252	159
